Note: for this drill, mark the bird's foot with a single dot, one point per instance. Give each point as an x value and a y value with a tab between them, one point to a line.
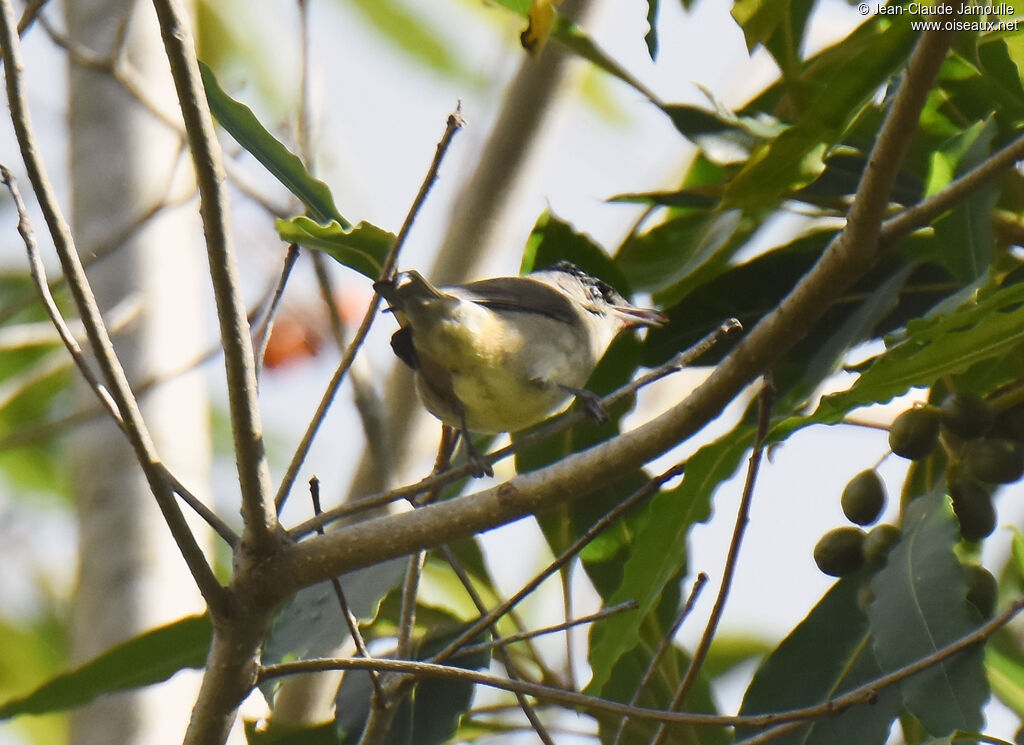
591	403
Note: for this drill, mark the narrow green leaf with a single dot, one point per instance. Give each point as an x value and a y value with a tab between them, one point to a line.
965	234
1005	668
362	247
831	650
683	253
143	660
828	356
661	547
919	607
239	121
1018	550
778	25
579	42
935	347
838	84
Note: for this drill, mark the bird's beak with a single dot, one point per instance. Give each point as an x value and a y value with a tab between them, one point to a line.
632	316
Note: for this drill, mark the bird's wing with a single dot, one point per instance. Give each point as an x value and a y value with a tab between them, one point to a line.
522	294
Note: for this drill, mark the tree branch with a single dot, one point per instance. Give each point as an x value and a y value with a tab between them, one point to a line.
117	383
261	528
785	719
913	218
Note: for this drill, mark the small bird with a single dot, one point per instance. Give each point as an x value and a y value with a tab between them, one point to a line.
501	354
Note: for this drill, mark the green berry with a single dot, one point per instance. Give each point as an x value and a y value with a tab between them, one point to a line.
840	551
994	461
973	507
879	542
966	415
914	433
863	498
982	589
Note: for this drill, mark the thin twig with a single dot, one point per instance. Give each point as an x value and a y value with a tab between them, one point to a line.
350	619
453	124
863	694
118	68
765	402
267	324
666	643
38	274
29	15
259	517
100	251
502	653
556	425
644	492
904	223
117	383
368	402
612	610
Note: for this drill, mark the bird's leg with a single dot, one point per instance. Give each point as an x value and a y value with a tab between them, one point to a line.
590	401
476	459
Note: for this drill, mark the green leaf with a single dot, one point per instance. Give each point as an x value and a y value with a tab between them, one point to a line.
363	247
830	649
920	606
1005	668
684	252
552	239
577	40
776	24
722	135
432	712
258	732
934	347
966	232
838	84
149	658
828	356
660	547
1018	550
239	121
662	686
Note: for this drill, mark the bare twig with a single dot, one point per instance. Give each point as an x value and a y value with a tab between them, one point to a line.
571	699
78	358
29	15
903	224
267	325
117	383
502	653
612	610
666	643
454	123
260	519
646	491
764	414
119	68
350	620
368	403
